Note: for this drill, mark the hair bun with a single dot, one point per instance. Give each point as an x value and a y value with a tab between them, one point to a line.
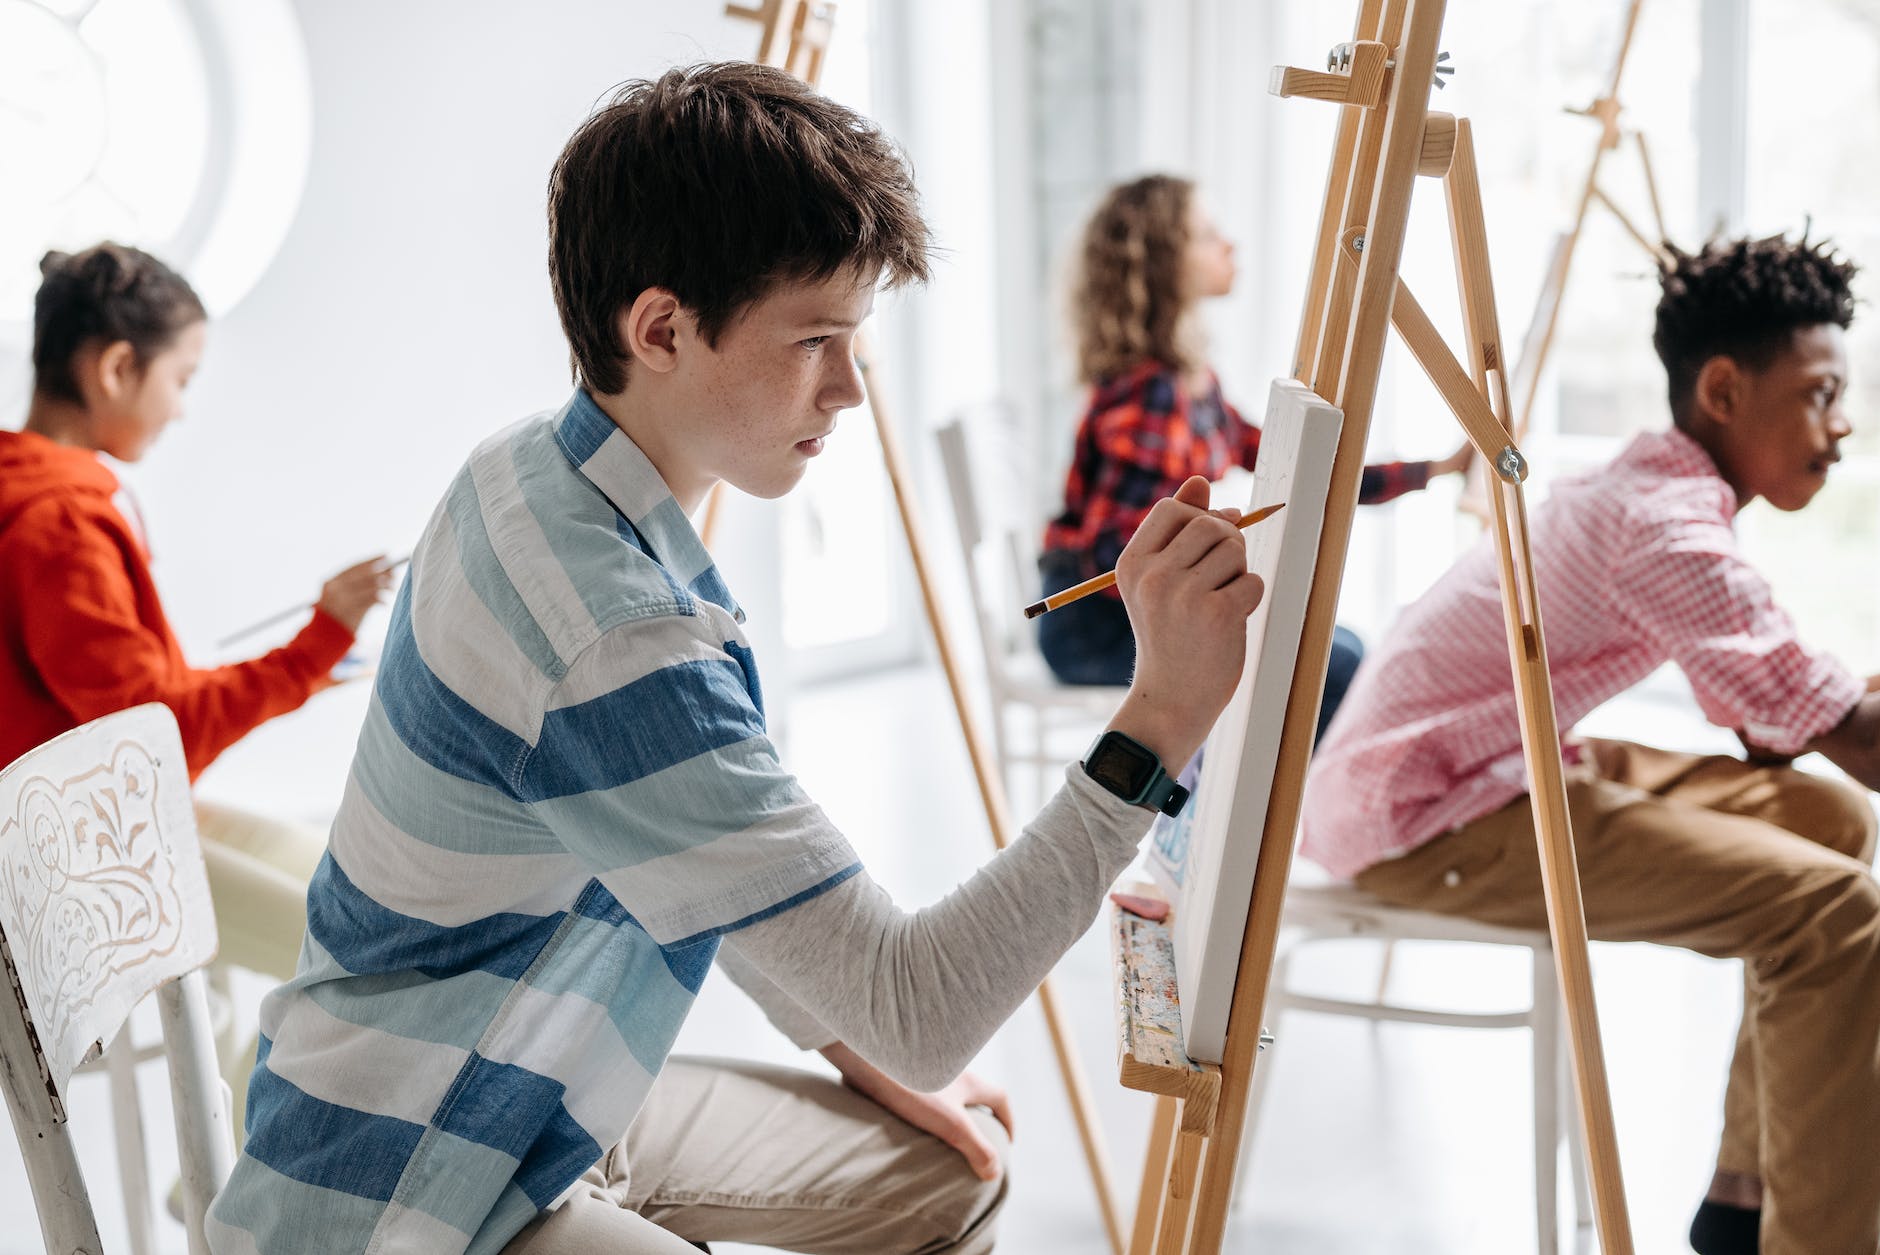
52	261
112	269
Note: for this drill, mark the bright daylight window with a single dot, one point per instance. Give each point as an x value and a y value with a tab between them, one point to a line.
1810	141
1521	66
838	546
181	126
1814	130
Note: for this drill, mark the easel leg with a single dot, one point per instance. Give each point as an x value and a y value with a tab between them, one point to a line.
1560	877
1083	1107
1178	1199
991	794
1155	1169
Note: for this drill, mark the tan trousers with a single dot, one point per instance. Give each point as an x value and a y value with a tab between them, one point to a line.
729	1151
1766	864
258	873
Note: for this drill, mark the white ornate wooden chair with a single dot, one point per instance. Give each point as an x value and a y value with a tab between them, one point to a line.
999	551
103	899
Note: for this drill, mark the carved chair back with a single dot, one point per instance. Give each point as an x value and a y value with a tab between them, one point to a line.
103	900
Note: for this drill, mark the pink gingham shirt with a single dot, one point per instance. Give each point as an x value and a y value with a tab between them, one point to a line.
1637	564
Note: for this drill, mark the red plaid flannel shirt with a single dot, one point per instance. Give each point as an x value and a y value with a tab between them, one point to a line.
1142	436
1637	565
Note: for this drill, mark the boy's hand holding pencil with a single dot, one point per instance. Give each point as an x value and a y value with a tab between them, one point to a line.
1186	585
1098	583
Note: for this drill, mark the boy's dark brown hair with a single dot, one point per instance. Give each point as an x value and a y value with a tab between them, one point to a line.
1743	299
718	182
108	292
1127	303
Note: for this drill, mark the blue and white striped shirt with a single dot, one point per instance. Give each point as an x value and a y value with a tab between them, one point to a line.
562	797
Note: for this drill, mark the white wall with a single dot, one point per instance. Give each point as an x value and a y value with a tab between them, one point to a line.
407	316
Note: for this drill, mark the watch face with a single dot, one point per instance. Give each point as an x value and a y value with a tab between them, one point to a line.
1121	766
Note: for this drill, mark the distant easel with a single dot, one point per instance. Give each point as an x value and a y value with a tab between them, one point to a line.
1386	137
809	24
1539	337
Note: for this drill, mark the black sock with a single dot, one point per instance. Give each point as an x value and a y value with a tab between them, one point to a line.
1720	1229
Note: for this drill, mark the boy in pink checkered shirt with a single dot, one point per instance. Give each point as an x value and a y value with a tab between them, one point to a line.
1419	793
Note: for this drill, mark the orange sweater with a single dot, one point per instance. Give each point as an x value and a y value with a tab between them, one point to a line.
82	633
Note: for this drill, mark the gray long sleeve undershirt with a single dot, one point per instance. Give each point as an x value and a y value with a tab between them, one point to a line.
917	994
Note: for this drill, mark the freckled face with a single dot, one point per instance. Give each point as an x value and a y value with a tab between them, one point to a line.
1793	420
766	396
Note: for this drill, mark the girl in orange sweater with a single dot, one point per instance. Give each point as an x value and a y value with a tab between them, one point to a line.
116	337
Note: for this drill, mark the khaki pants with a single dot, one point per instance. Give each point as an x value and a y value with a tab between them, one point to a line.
740	1152
258	873
1765	864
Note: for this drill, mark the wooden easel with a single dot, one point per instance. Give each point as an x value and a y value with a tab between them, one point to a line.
1386	137
1605	110
810	23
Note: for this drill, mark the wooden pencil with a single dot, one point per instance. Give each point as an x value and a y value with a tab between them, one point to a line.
1101	582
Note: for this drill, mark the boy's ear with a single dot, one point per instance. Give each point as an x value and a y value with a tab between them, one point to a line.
117	370
1719	389
649	329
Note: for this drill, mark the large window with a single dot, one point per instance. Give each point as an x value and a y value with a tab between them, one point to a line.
182	126
845	603
1521	68
1745	131
1813	82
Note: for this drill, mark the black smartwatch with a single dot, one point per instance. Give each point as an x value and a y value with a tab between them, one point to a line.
1130	769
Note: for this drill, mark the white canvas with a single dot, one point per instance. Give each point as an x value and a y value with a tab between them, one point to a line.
1205	858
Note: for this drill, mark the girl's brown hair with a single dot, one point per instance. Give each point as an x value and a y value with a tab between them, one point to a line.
1127	303
108	292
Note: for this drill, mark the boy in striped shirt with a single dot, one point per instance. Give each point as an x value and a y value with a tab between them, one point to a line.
564	808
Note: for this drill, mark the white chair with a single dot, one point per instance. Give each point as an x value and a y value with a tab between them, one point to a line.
119	1064
1332	911
103	899
999	549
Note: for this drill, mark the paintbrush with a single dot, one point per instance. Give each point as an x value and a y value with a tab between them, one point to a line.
290	612
1101	582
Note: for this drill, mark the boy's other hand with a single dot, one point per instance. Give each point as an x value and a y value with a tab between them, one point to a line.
348	595
1761	756
1185	582
1456	463
942	1113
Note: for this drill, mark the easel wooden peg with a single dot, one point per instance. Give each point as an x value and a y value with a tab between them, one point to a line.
1354	75
810	23
1353	297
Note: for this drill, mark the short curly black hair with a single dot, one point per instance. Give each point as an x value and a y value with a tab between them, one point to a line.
1743	299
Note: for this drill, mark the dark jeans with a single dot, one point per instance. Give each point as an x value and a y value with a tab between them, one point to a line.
1090	641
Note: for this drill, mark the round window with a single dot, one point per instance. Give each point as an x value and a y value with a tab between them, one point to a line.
180	126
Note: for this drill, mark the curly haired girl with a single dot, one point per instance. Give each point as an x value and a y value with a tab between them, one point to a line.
1150	255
